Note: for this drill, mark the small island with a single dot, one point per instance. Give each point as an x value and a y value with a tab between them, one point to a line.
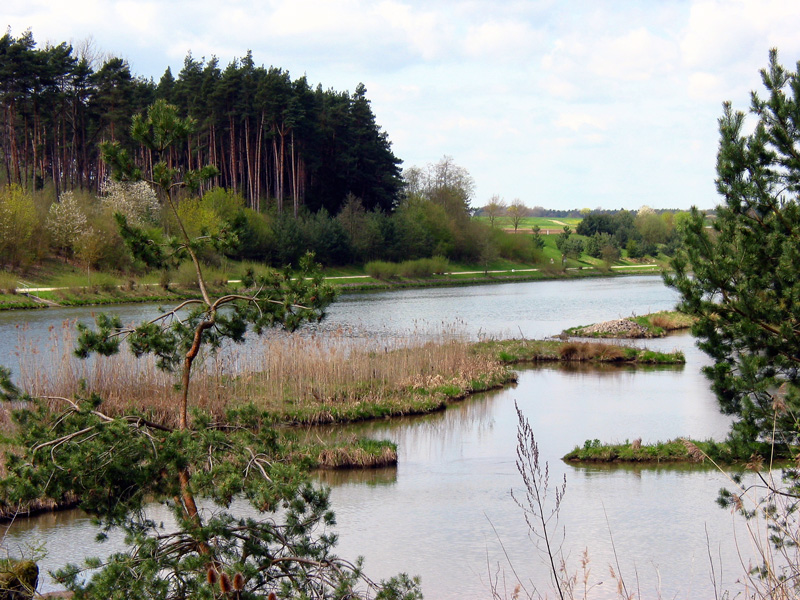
653	325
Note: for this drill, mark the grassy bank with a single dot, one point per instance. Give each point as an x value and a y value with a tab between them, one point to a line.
70	286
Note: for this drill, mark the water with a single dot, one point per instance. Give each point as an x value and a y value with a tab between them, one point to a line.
535	310
446	512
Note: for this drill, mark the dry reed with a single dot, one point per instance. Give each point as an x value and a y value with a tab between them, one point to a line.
282	373
671	321
583	351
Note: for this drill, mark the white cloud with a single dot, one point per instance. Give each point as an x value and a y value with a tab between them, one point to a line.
636	55
705	86
720	34
501	40
579	121
731	36
425	33
559	87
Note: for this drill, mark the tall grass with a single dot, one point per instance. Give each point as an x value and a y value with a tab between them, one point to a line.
308	377
8	282
414	269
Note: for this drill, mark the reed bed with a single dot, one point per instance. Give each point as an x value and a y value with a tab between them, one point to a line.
308	378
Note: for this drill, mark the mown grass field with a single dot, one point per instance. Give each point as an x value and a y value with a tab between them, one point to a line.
528	222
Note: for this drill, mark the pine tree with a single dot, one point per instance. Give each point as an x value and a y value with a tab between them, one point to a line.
739	274
116	463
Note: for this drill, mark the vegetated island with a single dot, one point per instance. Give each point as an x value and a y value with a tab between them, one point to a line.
652	325
679	450
346	387
671	451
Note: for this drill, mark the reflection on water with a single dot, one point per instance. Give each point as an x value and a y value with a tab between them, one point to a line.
457	468
445	512
385	476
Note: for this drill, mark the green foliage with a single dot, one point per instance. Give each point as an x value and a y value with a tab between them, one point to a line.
569	245
740	276
602	245
415	269
18	579
382	270
635	452
18	225
537	240
241	459
115	463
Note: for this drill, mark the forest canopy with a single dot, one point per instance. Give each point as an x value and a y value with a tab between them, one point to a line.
270	136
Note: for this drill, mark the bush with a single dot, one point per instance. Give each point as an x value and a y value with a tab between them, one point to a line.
382	270
8	282
104	282
423	267
511	246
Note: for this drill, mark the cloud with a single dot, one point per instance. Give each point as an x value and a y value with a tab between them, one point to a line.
705	86
634	56
501	40
579	121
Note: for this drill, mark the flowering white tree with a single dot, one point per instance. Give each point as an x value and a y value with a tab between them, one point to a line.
137	200
66	221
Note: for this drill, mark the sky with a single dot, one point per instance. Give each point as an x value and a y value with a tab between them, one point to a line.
561	104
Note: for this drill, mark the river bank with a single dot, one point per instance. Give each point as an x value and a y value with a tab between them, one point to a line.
103	293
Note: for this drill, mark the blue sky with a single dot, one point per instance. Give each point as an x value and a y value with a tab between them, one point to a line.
571	104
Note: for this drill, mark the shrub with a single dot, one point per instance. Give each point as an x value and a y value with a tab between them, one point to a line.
382	270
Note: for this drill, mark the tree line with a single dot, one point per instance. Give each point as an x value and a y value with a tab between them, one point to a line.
272	138
432	219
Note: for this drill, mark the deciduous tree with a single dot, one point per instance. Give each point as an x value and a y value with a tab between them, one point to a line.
494	209
516	212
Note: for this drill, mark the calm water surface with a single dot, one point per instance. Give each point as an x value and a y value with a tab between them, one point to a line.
444	512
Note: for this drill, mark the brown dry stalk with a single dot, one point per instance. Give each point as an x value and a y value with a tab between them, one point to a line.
277	373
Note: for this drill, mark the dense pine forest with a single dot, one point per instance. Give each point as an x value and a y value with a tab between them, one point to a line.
270	136
299	168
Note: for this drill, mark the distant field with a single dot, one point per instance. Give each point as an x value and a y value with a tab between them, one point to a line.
528	222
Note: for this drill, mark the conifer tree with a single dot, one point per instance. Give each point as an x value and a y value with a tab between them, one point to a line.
114	464
740	271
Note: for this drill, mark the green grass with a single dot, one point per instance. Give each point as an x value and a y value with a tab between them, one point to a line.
680	450
17	301
345	454
517	351
632	452
528	222
99	288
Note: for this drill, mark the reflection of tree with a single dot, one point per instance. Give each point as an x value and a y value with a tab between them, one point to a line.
370	477
600	369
